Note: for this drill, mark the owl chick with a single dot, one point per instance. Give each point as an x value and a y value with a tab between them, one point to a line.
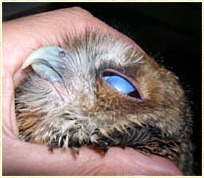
102	92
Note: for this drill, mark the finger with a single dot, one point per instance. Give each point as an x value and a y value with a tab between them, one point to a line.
9	120
89	162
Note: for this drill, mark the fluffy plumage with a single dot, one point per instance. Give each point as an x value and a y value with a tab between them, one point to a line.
73	104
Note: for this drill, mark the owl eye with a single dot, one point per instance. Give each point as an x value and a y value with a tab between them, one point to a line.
121	83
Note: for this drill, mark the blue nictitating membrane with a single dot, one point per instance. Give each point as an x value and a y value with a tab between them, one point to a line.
120	84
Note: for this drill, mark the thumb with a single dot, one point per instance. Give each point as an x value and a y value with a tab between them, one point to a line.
9	123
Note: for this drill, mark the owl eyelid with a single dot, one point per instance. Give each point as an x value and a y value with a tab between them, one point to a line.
121	83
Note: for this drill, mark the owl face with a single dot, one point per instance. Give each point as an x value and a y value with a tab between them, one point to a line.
99	91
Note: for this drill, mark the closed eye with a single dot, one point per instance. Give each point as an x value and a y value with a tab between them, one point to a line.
121	83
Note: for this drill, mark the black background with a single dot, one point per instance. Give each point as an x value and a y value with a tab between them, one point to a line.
170	32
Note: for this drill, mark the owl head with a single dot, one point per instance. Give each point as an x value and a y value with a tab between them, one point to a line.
100	91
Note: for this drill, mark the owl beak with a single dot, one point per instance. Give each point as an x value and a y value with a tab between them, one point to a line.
46	62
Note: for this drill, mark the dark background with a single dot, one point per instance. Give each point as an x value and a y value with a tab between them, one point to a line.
170	32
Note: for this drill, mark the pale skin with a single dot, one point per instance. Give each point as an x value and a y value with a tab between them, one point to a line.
21	37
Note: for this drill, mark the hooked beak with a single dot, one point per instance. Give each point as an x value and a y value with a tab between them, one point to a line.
46	61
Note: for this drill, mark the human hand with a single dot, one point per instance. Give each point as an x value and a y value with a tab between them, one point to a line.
20	38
